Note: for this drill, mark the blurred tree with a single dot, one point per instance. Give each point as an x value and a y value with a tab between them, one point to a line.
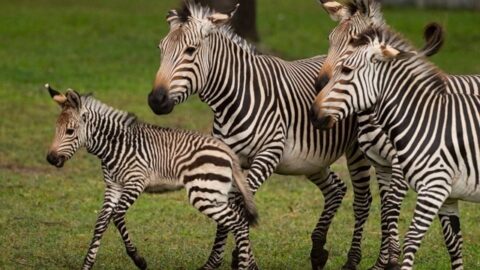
244	21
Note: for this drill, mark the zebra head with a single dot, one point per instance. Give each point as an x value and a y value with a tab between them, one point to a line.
70	127
357	80
353	18
184	53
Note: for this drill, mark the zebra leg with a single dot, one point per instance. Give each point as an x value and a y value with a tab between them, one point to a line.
238	206
429	201
359	169
119	221
130	194
262	167
236	203
229	219
216	256
396	194
393	189
383	179
110	200
333	190
449	217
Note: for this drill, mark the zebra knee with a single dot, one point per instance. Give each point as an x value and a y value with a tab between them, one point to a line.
341	188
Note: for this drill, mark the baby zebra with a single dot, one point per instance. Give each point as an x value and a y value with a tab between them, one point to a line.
137	156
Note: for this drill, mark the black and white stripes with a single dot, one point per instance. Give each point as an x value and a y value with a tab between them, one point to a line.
137	156
261	110
430	120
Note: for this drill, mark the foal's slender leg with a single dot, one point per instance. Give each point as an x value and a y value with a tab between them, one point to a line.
131	191
220	211
216	256
111	198
235	200
119	221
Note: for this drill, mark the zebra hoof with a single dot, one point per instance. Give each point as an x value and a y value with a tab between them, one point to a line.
140	263
138	260
235	262
392	266
319	259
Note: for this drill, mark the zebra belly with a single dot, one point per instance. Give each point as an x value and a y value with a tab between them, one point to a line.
158	185
465	188
295	162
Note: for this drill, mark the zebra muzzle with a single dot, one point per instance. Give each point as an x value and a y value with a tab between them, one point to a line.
159	101
320	120
56	160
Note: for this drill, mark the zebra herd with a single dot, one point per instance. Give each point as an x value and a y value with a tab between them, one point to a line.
373	97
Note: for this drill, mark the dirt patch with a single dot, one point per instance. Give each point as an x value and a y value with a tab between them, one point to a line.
17	168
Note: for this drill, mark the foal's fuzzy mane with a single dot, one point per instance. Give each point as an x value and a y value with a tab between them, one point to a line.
197	11
93	104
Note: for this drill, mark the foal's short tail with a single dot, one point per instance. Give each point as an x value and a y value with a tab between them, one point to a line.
242	185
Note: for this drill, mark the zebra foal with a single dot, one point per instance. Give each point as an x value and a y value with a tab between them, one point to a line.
431	119
139	157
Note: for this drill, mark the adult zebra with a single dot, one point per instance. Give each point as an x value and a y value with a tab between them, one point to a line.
139	157
261	105
354	18
433	128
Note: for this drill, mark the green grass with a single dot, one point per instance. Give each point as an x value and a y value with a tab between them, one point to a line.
109	47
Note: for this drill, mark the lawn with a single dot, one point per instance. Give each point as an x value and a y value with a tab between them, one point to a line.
109	48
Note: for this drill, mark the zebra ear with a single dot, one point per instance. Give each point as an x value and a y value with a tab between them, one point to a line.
73	99
336	10
388	53
371	9
56	96
217	19
220	18
173	18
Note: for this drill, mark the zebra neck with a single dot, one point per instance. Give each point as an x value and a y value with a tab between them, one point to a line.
230	73
402	93
108	129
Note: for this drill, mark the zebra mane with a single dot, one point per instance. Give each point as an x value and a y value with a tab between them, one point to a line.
201	13
385	35
90	103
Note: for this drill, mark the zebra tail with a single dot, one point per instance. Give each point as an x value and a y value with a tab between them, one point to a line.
242	185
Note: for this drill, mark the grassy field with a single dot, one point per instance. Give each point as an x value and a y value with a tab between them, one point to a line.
109	48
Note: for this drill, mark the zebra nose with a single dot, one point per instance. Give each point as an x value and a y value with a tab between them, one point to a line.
159	101
321	81
55	160
320	120
52	158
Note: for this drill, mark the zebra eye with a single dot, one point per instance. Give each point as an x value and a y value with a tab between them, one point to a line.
190	50
70	131
346	70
